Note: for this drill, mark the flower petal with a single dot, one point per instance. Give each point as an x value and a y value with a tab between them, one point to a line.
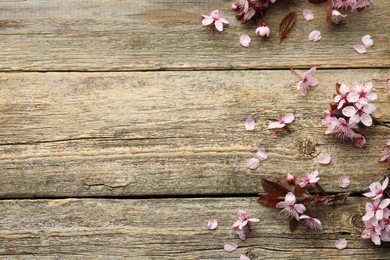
249	124
261	154
366	119
275	124
244	257
349	111
367	41
218	25
290	198
360	48
341	243
315	36
344	182
253	163
230	247
207	20
300	208
308	14
245	40
288	118
324	158
212	224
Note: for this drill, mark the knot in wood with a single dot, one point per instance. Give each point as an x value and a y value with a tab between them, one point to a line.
307	147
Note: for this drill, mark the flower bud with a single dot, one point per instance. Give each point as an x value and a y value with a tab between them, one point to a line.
235	6
263	30
337	16
290	178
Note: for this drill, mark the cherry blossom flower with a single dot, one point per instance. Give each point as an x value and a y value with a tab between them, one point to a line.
307	80
216	19
324	158
344	182
359	140
230	247
289	206
309	178
249	124
362	94
212	224
343	3
373	231
360	48
308	14
290	178
377	189
359	113
375	208
367	41
361	4
243	219
281	121
311	222
341	243
263	30
341	129
315	36
245	40
337	16
341	98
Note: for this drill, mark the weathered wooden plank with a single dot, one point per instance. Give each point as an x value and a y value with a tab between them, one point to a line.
113	134
172	229
153	35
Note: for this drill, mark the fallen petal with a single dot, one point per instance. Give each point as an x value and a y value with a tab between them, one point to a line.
212	224
344	182
367	41
315	36
244	257
308	14
249	124
324	158
261	154
341	243
230	247
253	163
245	40
360	48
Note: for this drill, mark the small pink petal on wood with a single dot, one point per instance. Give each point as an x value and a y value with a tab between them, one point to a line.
249	124
344	182
230	247
245	40
341	243
244	257
253	163
212	224
308	14
324	158
315	36
261	154
288	118
367	41
360	48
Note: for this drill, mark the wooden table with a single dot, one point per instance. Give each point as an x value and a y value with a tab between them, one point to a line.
121	129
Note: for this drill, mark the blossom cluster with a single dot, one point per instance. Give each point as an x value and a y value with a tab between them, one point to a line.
350	110
346	5
377	217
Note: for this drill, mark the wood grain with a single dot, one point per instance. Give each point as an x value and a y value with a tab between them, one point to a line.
173	229
172	133
121	35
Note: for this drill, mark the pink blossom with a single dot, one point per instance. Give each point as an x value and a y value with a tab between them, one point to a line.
324	158
243	219
367	41
261	154
253	163
230	247
290	207
263	30
212	224
282	121
342	97
373	231
249	124
341	129
216	18
377	189
307	80
343	3
309	178
311	222
308	14
361	4
315	36
359	113
337	16
344	182
359	140
245	40
375	208
290	178
341	243
362	94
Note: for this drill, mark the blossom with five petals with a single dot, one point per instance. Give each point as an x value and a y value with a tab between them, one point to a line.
377	189
341	98
362	94
310	178
289	206
282	121
311	222
375	208
243	219
359	113
216	18
307	80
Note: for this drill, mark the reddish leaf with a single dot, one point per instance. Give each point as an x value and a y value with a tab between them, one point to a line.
271	198
317	1
300	194
293	224
286	184
286	24
329	9
320	189
271	185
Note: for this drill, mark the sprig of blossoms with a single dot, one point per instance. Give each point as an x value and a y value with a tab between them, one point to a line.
377	217
350	110
298	200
